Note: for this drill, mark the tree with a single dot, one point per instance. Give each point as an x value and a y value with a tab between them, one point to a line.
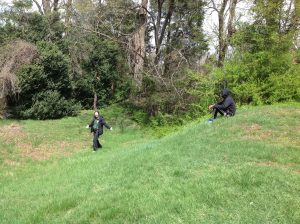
226	13
262	68
175	41
45	87
137	45
47	6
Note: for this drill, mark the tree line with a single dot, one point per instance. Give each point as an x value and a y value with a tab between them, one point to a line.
151	56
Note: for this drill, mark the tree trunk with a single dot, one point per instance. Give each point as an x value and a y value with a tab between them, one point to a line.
168	52
39	7
230	27
2	106
55	5
75	65
221	34
46	6
161	33
138	49
295	21
225	33
158	22
68	13
95	101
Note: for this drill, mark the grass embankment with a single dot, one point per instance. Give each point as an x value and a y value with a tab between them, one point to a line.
244	169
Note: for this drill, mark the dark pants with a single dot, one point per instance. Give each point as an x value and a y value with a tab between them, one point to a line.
222	112
96	143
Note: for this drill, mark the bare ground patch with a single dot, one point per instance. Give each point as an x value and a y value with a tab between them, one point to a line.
286	167
11	162
254	132
14	134
282	135
46	151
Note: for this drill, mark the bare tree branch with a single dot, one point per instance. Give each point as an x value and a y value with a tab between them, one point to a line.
38	6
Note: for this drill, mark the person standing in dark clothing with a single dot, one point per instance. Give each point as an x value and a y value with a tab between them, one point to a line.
96	126
226	107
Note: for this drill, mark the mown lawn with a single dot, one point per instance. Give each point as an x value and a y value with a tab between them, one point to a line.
244	169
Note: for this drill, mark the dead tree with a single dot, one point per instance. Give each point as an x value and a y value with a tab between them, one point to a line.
14	56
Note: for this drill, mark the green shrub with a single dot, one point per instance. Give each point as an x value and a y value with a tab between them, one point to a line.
103	74
285	87
262	69
258	83
32	79
200	89
168	107
45	87
50	104
56	67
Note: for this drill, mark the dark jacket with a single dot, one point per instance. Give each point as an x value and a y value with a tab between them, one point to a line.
227	104
100	125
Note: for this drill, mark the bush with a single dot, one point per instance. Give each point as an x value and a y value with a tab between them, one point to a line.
200	89
285	87
45	86
50	104
262	69
103	74
56	67
257	83
32	79
187	99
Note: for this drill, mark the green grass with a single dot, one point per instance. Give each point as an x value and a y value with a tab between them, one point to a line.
244	169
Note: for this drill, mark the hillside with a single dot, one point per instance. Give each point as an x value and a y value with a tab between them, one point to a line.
244	169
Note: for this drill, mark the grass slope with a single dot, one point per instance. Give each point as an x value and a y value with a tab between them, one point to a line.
244	169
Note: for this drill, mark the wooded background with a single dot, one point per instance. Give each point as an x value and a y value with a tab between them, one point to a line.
151	56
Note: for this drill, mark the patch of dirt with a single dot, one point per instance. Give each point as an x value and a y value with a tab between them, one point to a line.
46	151
286	135
11	162
282	112
255	132
297	128
37	153
14	134
287	167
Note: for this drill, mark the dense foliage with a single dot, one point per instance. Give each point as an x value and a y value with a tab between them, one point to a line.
102	74
262	69
153	61
46	87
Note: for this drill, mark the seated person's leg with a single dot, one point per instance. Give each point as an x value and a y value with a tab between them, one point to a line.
229	113
216	111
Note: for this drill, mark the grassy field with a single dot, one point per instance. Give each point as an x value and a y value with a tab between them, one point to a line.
244	169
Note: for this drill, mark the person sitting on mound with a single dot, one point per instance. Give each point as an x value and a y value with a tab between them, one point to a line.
226	107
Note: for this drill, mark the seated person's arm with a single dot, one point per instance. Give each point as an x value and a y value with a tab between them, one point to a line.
223	105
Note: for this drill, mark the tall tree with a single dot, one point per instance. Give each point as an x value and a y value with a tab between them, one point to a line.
137	44
226	13
163	19
47	6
